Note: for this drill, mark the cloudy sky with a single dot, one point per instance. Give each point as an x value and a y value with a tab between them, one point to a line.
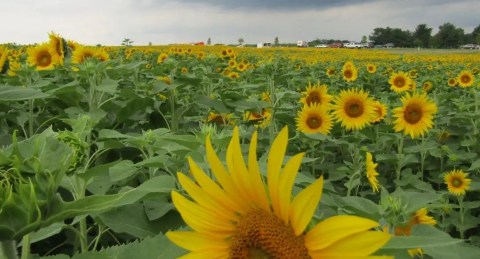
108	22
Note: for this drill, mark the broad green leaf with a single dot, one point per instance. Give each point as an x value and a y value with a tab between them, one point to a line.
475	165
12	93
108	86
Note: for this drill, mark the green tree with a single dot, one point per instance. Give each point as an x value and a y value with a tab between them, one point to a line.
209	41
276	42
364	39
241	41
396	36
448	36
422	36
127	42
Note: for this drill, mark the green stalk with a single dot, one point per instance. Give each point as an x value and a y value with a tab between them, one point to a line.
271	128
26	247
30	117
462	217
8	249
399	157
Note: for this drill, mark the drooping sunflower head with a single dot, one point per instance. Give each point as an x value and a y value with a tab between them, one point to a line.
371	68
419	217
316	94
371	172
380	111
56	45
220	119
457	182
465	79
314	119
415	117
101	54
353	108
400	82
41	57
242	215
233	75
259	119
349	72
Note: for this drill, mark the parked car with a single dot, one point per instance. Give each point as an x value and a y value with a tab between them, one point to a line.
354	45
336	45
468	46
321	46
302	44
389	45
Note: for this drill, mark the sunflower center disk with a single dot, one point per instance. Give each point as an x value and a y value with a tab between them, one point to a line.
465	79
457	182
313	98
354	109
348	73
314	122
261	234
413	113
399	82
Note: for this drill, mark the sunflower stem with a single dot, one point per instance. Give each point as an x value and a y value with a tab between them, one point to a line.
399	157
271	128
25	247
462	217
31	106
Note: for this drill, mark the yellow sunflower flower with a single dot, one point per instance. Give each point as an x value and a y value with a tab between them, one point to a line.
371	68
457	182
241	216
465	79
371	172
427	86
400	82
380	111
316	94
354	109
420	217
162	57
314	119
233	75
414	118
261	120
81	53
330	71
452	82
41	57
349	72
57	47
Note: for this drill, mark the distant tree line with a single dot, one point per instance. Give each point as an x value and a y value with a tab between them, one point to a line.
448	36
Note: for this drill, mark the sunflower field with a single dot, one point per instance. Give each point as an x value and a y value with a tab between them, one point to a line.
224	152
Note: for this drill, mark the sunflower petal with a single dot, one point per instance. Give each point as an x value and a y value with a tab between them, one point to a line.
193	241
207	201
336	228
275	161
304	204
237	168
257	182
223	177
359	244
287	179
200	219
209	186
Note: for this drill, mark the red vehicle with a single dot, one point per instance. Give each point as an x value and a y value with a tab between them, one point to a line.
336	45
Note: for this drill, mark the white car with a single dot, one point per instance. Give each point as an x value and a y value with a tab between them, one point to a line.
321	46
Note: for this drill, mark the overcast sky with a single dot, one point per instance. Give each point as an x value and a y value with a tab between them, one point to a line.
108	22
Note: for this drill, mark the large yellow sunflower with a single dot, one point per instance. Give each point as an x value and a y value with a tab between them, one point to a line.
465	79
414	118
41	57
314	119
371	172
371	68
400	82
354	109
241	216
316	94
457	182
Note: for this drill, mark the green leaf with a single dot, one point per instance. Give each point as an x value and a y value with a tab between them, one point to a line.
16	93
423	236
122	170
475	165
214	104
157	247
108	85
360	207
